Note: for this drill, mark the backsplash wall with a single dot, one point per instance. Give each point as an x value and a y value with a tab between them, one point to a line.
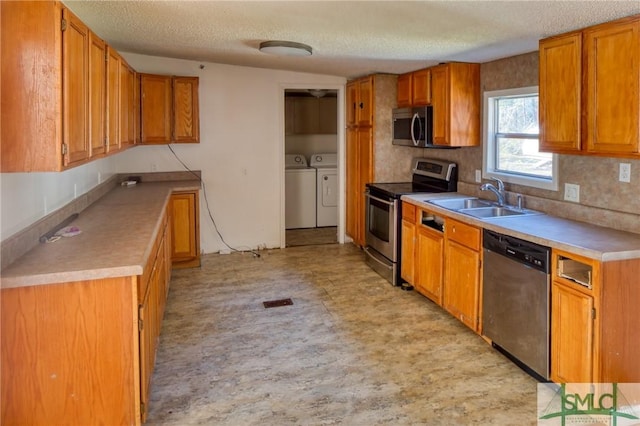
603	200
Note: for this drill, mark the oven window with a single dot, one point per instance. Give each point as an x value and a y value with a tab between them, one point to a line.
379	217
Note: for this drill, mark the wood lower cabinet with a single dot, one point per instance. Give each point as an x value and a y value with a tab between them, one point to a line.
461	294
594	321
83	352
408	243
429	262
359	172
185	230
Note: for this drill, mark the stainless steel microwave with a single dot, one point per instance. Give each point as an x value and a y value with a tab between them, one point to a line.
413	126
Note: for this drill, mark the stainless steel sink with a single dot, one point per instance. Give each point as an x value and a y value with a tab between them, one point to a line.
493	211
481	209
460	203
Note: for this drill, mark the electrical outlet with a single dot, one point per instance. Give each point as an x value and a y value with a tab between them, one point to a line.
625	172
478	176
572	192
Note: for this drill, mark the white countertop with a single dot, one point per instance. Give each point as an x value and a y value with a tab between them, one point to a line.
118	232
592	241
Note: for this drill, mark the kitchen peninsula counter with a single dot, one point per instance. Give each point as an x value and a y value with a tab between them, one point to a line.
592	241
118	232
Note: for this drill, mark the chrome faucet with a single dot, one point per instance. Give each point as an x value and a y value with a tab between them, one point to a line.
499	191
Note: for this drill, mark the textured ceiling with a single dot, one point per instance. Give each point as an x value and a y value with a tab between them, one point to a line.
349	38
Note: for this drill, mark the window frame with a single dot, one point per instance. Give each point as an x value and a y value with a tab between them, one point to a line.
489	145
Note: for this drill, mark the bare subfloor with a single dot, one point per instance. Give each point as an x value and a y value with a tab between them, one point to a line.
311	236
351	350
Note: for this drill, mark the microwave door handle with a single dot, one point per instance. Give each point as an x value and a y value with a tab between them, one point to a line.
416	141
378	199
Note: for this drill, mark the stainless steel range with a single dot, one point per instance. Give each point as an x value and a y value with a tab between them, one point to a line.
383	212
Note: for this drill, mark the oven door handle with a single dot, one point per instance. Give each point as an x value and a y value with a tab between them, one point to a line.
368	195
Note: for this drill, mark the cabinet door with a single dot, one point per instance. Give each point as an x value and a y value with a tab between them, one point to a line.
440	102
462	282
186	112
184	229
306	115
612	88
405	90
421	87
365	102
125	104
328	115
365	169
155	105
560	93
97	96
352	103
571	335
75	86
113	100
407	263
352	183
429	263
148	329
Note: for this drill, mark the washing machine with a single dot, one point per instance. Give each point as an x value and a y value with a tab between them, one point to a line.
300	193
326	188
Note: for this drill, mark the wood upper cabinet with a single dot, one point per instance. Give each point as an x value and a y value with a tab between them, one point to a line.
414	89
127	107
590	90
360	102
75	86
113	100
560	93
455	97
364	110
97	95
352	103
186	110
155	109
169	109
405	90
461	294
612	95
185	229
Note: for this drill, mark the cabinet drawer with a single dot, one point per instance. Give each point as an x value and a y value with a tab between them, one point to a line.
462	233
409	212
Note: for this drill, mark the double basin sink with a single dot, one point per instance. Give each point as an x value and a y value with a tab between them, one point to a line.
481	209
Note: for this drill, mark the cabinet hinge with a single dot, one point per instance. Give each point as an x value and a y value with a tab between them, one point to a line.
64	149
63	25
142	408
593	313
140	325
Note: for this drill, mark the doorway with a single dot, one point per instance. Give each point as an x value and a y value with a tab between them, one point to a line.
311	146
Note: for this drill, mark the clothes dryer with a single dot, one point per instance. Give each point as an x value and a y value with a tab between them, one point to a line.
326	188
300	193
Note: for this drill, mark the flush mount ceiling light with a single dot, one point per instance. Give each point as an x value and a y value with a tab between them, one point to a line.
286	48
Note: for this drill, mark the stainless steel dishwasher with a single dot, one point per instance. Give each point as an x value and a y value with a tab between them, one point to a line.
515	302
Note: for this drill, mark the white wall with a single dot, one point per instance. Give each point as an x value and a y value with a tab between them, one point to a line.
241	147
27	197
